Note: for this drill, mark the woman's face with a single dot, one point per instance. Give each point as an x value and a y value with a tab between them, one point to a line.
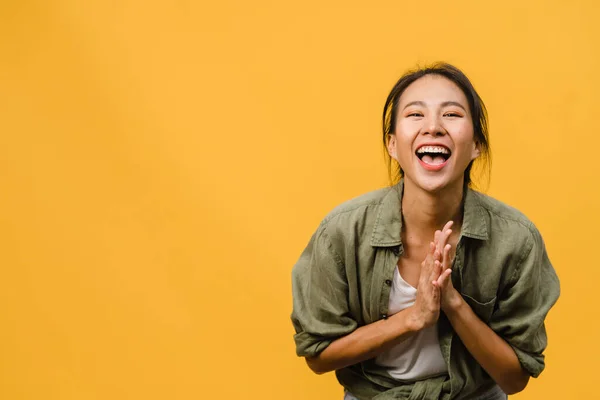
433	141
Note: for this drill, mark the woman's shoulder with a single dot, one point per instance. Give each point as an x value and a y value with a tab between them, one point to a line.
360	208
505	217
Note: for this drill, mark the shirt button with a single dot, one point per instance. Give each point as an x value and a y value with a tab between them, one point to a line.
388	282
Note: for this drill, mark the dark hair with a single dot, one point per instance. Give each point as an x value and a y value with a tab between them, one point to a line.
476	106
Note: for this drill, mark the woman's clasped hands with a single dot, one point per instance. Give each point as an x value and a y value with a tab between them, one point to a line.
435	291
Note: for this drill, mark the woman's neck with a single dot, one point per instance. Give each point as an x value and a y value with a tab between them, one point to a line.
423	212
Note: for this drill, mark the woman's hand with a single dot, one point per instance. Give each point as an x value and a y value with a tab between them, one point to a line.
426	310
450	297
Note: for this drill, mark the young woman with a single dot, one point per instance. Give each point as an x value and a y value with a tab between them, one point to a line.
426	289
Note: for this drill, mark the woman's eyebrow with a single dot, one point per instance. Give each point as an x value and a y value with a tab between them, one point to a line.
444	104
453	103
414	103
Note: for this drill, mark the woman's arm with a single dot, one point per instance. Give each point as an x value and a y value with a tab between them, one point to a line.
365	342
491	351
371	340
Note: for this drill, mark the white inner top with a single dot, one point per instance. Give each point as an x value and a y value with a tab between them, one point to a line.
419	356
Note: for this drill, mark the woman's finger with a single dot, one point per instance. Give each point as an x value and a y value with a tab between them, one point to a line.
444	237
443	278
434	267
426	266
447	226
441	236
446	257
436	270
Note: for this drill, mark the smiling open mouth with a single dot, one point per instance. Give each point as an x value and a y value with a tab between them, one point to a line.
433	157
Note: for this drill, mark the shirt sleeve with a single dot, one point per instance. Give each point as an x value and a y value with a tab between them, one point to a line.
523	304
320	297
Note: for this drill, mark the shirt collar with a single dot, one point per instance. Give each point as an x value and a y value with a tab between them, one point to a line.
388	225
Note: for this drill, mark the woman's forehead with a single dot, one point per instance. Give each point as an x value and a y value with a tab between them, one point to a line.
433	90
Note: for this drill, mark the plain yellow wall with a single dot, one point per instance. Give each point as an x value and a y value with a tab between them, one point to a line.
164	163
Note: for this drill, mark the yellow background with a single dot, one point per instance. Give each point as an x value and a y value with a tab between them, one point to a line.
164	163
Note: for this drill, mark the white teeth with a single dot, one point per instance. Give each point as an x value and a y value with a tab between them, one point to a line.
433	149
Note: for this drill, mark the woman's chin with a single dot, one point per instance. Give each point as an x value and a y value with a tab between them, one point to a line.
434	183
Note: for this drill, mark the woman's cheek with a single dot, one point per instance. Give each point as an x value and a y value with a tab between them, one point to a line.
407	130
464	129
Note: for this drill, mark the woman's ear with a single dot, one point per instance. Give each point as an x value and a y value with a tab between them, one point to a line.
391	146
476	150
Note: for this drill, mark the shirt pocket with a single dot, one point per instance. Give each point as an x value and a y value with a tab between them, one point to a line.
483	309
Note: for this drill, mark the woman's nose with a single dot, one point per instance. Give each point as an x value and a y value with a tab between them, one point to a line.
433	126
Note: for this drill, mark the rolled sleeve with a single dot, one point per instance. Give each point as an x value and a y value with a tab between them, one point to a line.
320	297
523	304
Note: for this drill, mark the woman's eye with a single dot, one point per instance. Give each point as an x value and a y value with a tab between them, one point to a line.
451	114
415	114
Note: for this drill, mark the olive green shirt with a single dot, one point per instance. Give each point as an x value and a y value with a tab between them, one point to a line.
343	280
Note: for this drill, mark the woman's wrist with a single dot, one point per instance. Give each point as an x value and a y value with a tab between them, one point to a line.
453	303
415	321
